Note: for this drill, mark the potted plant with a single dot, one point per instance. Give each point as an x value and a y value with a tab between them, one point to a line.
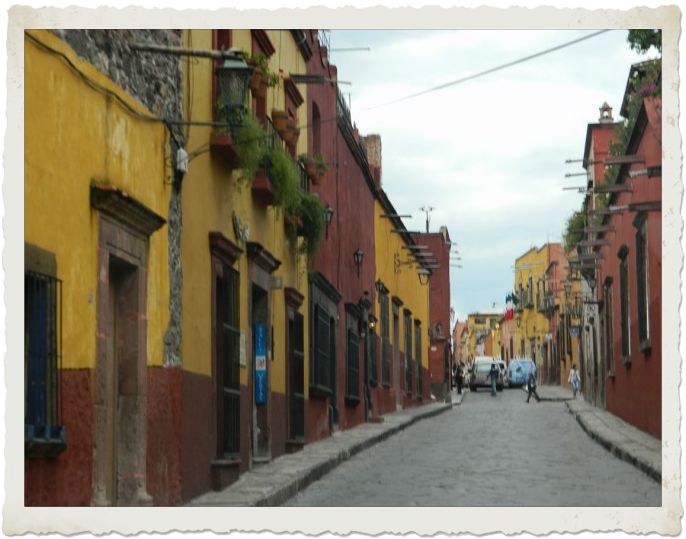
279	120
310	212
315	166
262	78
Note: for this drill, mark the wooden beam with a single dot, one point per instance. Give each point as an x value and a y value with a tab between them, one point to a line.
622	159
616	188
594	243
651	205
599	228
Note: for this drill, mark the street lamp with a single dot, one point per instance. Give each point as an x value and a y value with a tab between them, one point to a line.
423	275
357	258
233	77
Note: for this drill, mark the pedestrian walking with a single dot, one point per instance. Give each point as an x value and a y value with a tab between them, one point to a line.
531	387
575	380
459	375
454	374
493	375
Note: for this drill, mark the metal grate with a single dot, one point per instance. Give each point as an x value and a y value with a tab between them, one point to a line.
42	351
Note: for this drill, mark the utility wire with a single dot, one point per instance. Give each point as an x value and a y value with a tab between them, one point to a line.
492	70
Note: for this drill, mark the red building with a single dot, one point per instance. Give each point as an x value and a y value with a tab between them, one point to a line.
342	272
629	279
438	252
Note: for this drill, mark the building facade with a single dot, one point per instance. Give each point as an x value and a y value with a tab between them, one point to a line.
99	403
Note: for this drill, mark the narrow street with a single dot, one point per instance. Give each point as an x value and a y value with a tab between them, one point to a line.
487	452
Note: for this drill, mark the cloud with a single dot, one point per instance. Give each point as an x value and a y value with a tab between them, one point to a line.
487	154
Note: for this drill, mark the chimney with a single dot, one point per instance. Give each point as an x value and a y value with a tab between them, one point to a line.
373	145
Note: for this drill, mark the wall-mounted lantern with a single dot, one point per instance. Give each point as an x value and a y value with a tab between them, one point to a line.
328	216
357	258
423	275
233	77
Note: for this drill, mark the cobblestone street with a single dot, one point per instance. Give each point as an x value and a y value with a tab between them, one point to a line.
487	452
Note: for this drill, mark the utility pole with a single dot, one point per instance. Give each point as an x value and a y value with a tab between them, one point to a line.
427	209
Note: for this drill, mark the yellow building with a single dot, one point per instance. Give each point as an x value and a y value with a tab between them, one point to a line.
533	336
245	280
402	308
97	194
483	330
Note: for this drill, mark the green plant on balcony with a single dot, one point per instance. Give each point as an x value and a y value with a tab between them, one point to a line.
309	211
283	174
314	165
251	146
261	63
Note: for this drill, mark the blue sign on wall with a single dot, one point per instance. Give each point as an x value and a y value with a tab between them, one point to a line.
260	363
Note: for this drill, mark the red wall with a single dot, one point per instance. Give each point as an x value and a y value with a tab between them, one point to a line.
67	479
346	190
635	392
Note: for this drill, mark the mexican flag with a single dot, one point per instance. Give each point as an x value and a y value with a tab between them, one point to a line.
511	301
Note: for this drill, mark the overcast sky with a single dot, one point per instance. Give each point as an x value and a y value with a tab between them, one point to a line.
488	154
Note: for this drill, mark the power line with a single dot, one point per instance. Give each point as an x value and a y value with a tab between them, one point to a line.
492	70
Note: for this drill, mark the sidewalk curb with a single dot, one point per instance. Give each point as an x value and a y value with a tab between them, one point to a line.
324	459
310	476
615	449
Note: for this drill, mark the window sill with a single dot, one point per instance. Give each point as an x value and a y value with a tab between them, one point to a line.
644	346
43	442
224	471
626	360
352	400
320	392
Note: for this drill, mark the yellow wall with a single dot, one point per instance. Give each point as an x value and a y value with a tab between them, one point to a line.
533	324
75	135
490	322
403	284
211	196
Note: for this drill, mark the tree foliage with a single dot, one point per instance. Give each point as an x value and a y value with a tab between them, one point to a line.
642	40
574	231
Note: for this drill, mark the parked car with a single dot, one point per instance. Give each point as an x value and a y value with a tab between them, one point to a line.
519	369
479	374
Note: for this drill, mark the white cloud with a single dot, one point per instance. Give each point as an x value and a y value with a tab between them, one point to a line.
487	154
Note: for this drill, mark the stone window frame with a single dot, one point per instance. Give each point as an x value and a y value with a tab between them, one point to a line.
324	299
642	282
352	354
418	355
624	304
42	289
385	339
223	256
407	341
608	305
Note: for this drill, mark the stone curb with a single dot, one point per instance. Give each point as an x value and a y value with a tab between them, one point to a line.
289	488
614	447
292	488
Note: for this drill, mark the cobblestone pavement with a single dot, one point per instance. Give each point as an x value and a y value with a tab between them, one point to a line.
488	452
